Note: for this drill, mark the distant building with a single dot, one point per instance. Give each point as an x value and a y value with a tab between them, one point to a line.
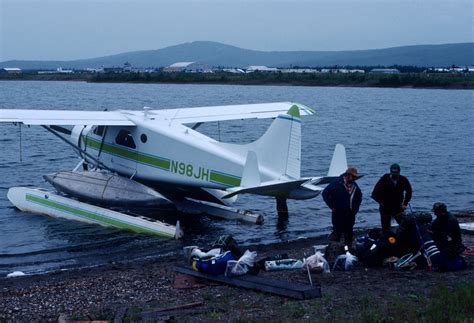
341	70
384	71
127	67
59	70
452	69
299	70
94	70
347	71
188	67
63	71
10	71
256	68
234	70
357	71
113	69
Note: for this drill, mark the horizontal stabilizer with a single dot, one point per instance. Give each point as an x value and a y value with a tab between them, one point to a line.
323	180
326	179
271	188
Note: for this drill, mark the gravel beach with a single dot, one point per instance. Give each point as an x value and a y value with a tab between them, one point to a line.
152	290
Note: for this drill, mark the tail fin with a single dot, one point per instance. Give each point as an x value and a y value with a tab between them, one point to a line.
337	167
279	149
338	162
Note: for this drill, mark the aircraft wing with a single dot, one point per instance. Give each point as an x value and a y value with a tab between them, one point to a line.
120	117
230	112
65	117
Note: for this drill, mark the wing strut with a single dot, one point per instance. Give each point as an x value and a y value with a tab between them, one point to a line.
77	148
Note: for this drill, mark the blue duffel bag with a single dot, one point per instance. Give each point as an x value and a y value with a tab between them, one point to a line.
215	265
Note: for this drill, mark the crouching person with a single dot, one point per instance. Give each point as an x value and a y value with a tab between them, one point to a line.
447	237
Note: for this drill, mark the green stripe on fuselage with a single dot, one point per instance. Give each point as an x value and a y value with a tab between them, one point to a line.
155	161
225	179
90	215
133	155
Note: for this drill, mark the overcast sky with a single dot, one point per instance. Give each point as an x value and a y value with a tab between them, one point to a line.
73	29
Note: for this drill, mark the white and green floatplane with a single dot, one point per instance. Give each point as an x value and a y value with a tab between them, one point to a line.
155	158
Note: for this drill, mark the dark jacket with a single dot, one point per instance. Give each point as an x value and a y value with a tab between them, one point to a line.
447	235
336	196
392	196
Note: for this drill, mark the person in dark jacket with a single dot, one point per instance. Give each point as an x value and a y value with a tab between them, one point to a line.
343	197
393	193
446	232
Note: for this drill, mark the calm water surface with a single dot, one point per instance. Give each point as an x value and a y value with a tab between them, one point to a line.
428	132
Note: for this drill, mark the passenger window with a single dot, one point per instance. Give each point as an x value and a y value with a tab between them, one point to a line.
125	138
99	131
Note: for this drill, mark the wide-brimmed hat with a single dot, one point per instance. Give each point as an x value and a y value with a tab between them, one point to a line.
351	171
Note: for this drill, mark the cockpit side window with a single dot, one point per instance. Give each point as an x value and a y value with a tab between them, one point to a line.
99	130
125	138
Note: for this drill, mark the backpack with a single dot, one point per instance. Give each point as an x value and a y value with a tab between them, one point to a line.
227	242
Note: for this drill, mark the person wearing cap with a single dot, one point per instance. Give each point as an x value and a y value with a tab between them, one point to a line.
343	197
393	193
446	232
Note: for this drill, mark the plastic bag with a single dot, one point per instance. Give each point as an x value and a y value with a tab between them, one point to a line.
227	242
198	253
241	266
261	263
248	258
345	262
350	261
283	264
316	263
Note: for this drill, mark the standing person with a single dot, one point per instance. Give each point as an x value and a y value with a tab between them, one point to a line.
393	193
343	197
446	232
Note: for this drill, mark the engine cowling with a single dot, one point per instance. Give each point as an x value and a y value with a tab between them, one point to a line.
77	135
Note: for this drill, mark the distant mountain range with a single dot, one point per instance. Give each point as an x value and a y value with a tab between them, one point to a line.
217	54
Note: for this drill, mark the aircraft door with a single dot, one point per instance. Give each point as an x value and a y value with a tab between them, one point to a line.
123	152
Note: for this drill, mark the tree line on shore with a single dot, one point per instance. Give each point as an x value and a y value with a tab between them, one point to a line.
404	79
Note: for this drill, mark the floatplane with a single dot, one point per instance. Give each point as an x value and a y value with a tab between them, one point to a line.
157	157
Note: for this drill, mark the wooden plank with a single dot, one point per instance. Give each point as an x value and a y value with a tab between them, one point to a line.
273	286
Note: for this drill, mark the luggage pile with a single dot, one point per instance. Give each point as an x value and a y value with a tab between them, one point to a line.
411	246
225	257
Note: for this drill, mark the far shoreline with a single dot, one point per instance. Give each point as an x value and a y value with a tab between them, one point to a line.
403	80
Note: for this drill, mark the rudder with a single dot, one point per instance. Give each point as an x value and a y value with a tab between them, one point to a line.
279	148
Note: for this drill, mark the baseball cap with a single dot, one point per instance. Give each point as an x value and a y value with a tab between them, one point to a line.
395	169
439	206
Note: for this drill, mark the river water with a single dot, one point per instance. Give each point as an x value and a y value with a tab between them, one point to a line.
428	132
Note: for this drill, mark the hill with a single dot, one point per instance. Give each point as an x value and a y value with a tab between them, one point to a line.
218	54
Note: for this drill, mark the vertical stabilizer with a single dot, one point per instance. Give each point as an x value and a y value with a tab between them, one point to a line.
251	174
279	149
339	161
